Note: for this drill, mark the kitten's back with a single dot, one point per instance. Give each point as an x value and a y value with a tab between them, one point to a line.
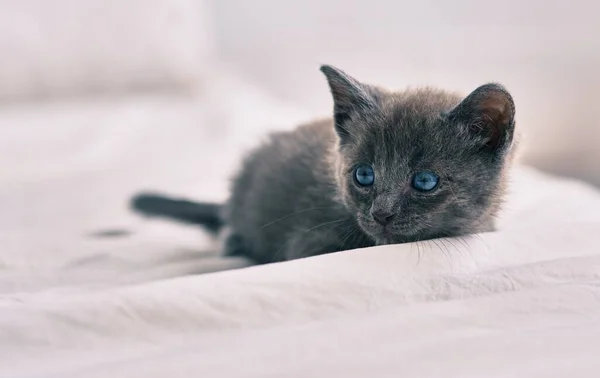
284	185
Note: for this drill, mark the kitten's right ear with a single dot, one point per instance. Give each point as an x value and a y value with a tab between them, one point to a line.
489	114
349	95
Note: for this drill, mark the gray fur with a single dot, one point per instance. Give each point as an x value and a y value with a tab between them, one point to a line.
295	196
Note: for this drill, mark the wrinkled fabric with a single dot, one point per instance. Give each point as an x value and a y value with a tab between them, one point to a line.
88	289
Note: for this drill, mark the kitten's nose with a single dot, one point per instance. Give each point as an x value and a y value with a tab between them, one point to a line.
382	217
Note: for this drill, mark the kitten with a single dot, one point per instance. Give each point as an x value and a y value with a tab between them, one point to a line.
388	168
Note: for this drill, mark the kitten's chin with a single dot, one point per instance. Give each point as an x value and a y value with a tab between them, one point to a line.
391	234
383	236
384	239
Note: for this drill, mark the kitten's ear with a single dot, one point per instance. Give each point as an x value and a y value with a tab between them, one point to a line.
489	113
349	95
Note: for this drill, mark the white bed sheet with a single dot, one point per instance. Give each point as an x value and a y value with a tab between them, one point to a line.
520	302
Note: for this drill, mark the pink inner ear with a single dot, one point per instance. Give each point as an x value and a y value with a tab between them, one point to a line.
497	115
488	111
497	108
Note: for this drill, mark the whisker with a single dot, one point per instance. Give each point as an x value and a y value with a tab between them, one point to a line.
449	240
296	213
467	246
324	224
487	246
350	233
445	253
306	231
445	246
418	243
276	254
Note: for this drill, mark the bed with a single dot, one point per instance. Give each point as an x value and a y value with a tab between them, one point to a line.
88	289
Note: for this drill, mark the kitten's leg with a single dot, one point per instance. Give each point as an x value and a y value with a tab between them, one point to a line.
231	243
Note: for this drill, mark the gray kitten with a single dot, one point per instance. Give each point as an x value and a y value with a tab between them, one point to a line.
388	168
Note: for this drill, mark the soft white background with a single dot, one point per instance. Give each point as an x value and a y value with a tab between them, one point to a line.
102	98
546	52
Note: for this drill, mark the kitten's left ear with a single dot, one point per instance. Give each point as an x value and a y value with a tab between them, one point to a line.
349	95
489	113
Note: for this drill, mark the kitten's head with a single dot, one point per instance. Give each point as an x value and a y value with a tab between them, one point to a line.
421	163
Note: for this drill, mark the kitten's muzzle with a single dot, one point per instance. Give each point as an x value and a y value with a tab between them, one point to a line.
382	217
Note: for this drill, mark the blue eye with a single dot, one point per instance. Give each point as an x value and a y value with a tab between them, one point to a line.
425	181
364	175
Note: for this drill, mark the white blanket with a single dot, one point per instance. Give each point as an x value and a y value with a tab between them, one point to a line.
520	302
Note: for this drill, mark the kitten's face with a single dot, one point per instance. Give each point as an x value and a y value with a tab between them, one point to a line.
422	164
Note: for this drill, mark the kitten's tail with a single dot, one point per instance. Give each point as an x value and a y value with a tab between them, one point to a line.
179	210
